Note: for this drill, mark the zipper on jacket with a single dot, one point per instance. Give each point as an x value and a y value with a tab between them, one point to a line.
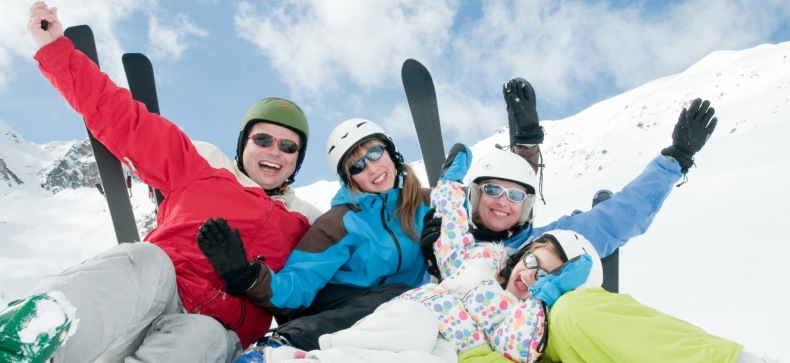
392	234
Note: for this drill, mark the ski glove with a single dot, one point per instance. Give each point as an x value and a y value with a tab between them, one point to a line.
457	163
225	251
522	112
563	279
694	127
430	234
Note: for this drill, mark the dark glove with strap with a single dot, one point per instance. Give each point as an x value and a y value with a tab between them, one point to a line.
522	113
694	127
225	251
430	234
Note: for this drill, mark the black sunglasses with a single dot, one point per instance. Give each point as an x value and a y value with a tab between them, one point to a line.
496	190
372	154
531	262
266	140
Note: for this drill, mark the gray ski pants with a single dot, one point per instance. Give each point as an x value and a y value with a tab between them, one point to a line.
128	310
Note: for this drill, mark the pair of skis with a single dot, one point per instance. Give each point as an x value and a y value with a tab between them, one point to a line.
421	96
140	76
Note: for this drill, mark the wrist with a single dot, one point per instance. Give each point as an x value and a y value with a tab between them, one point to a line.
239	281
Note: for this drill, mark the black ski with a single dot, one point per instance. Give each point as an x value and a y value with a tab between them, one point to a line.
140	75
611	263
110	169
421	95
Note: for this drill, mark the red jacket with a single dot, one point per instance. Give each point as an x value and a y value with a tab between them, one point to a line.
164	157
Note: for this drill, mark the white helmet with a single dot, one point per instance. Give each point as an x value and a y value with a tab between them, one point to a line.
573	244
506	166
350	133
569	244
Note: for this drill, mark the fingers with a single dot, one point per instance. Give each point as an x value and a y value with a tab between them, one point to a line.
212	231
222	225
39	12
712	124
429	215
694	107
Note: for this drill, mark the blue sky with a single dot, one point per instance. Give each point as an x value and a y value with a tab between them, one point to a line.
342	59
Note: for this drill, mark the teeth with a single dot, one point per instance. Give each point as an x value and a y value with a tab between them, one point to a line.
379	179
270	164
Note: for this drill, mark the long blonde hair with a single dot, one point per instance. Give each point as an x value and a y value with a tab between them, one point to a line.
411	196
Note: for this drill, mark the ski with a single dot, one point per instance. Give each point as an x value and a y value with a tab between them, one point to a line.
611	263
421	96
110	168
140	76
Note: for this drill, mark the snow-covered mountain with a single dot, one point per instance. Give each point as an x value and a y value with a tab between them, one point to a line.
715	254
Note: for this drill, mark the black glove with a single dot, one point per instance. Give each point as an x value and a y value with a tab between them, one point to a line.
224	249
522	112
693	129
430	234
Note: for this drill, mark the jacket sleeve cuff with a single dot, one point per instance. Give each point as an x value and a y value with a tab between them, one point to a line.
260	293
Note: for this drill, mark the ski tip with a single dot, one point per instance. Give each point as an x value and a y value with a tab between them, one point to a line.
410	61
126	57
78	29
414	69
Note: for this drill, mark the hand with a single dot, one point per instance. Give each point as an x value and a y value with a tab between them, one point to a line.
692	130
430	234
40	12
457	163
225	251
522	112
566	278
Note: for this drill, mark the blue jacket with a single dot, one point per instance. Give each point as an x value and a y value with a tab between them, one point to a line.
626	215
362	247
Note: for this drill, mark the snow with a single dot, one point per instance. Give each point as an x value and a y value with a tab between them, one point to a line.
51	315
715	255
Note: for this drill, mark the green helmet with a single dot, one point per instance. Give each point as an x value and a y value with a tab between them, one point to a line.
276	111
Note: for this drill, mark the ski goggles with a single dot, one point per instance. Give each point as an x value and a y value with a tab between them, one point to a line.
266	140
531	263
496	190
372	154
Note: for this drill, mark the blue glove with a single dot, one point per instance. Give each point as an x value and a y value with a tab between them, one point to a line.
457	163
566	278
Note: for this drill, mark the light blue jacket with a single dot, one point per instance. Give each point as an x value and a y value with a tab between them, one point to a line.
362	247
626	215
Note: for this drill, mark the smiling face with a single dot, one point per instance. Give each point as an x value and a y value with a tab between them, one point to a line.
268	165
378	176
499	213
522	277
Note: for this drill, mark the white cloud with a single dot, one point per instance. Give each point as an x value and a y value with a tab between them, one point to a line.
572	52
316	45
171	40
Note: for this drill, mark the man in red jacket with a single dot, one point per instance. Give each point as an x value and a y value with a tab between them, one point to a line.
161	300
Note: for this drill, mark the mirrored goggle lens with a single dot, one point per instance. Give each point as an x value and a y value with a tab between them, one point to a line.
531	262
373	154
495	190
266	140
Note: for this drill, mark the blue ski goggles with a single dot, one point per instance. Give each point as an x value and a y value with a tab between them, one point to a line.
496	190
266	140
531	263
372	154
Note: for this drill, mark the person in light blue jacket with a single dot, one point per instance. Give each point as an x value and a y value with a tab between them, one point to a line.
630	212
